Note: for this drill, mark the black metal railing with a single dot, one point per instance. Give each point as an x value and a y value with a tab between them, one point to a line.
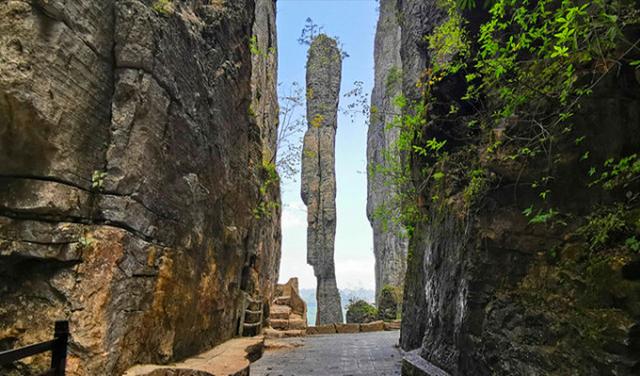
57	346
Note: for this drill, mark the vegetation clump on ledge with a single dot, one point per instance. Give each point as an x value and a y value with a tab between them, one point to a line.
360	312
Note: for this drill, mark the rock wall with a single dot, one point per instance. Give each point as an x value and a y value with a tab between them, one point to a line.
489	293
324	69
389	237
134	139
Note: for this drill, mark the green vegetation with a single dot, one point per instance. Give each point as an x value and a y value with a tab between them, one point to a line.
360	312
390	303
394	78
526	72
449	40
621	173
602	228
85	241
97	179
254	48
163	7
477	186
270	180
311	31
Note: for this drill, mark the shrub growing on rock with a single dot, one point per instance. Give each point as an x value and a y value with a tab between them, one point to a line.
389	304
360	312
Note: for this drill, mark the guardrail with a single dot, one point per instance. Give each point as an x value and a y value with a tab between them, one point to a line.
57	346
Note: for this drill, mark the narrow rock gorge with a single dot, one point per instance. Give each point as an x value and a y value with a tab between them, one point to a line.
523	252
138	193
318	191
389	237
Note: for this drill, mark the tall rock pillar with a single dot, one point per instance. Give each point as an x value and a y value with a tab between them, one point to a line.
389	237
324	68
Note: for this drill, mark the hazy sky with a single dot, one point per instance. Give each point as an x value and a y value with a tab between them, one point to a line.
353	21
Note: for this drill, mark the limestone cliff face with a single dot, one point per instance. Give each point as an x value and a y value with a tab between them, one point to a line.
324	68
134	137
489	293
389	238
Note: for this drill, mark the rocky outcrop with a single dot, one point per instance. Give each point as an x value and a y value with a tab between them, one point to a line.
389	237
135	147
324	67
489	292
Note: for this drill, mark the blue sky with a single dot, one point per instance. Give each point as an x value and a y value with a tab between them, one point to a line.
353	21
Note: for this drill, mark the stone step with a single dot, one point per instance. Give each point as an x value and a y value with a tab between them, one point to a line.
295	316
273	333
279	312
298	323
279	324
282	300
295	333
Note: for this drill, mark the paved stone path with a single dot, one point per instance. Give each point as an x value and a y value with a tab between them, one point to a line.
359	354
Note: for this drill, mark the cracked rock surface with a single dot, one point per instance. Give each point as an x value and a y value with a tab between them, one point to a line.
489	292
390	240
324	69
130	168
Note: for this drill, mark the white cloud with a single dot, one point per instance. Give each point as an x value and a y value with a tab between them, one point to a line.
294	217
355	273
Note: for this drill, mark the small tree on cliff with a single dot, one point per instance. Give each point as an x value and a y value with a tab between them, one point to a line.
290	130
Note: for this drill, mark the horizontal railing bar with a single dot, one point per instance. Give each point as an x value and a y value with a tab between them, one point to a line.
11	356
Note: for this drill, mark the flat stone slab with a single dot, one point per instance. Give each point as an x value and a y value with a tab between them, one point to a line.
322	329
414	365
280	312
375	326
358	354
347	328
393	325
231	358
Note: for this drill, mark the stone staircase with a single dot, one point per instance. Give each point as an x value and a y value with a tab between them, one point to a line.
282	316
288	312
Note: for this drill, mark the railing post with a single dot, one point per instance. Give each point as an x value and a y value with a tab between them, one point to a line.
59	353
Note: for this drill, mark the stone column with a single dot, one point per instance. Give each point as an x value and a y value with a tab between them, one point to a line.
324	68
390	240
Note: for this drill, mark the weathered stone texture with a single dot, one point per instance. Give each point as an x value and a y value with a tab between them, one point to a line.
130	168
390	240
418	19
324	68
483	296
